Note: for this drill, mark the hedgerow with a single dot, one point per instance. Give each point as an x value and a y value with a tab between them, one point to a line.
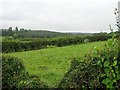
33	44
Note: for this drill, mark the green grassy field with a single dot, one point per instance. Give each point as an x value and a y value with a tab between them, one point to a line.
1	38
52	63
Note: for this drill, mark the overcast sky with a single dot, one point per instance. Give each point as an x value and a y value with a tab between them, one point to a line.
59	15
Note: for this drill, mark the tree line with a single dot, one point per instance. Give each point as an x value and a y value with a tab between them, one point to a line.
28	33
34	44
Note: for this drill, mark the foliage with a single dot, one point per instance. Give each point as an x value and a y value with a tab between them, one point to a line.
8	32
119	48
24	40
81	75
100	69
13	46
14	75
38	43
23	33
109	64
12	70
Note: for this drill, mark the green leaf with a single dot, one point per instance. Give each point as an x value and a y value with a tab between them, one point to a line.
110	42
107	71
114	63
106	81
106	63
99	63
114	75
114	80
102	59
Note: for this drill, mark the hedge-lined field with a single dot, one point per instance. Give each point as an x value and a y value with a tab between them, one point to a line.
51	64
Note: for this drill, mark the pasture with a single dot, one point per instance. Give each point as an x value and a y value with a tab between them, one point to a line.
52	63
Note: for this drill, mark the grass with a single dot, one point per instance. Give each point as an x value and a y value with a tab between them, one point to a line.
1	38
51	64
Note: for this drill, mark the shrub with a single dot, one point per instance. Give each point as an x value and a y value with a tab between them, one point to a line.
99	69
82	74
12	71
33	82
14	75
86	40
33	44
119	49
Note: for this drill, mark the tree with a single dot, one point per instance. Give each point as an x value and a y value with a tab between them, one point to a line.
16	28
22	29
10	29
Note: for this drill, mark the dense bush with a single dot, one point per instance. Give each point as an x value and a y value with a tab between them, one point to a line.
33	44
13	46
119	49
12	69
14	75
99	37
81	75
100	69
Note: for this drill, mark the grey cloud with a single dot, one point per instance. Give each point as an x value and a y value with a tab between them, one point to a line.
59	15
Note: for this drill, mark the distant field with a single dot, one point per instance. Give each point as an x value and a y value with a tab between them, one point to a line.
52	63
1	38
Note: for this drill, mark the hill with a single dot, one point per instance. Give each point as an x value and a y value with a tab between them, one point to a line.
32	33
